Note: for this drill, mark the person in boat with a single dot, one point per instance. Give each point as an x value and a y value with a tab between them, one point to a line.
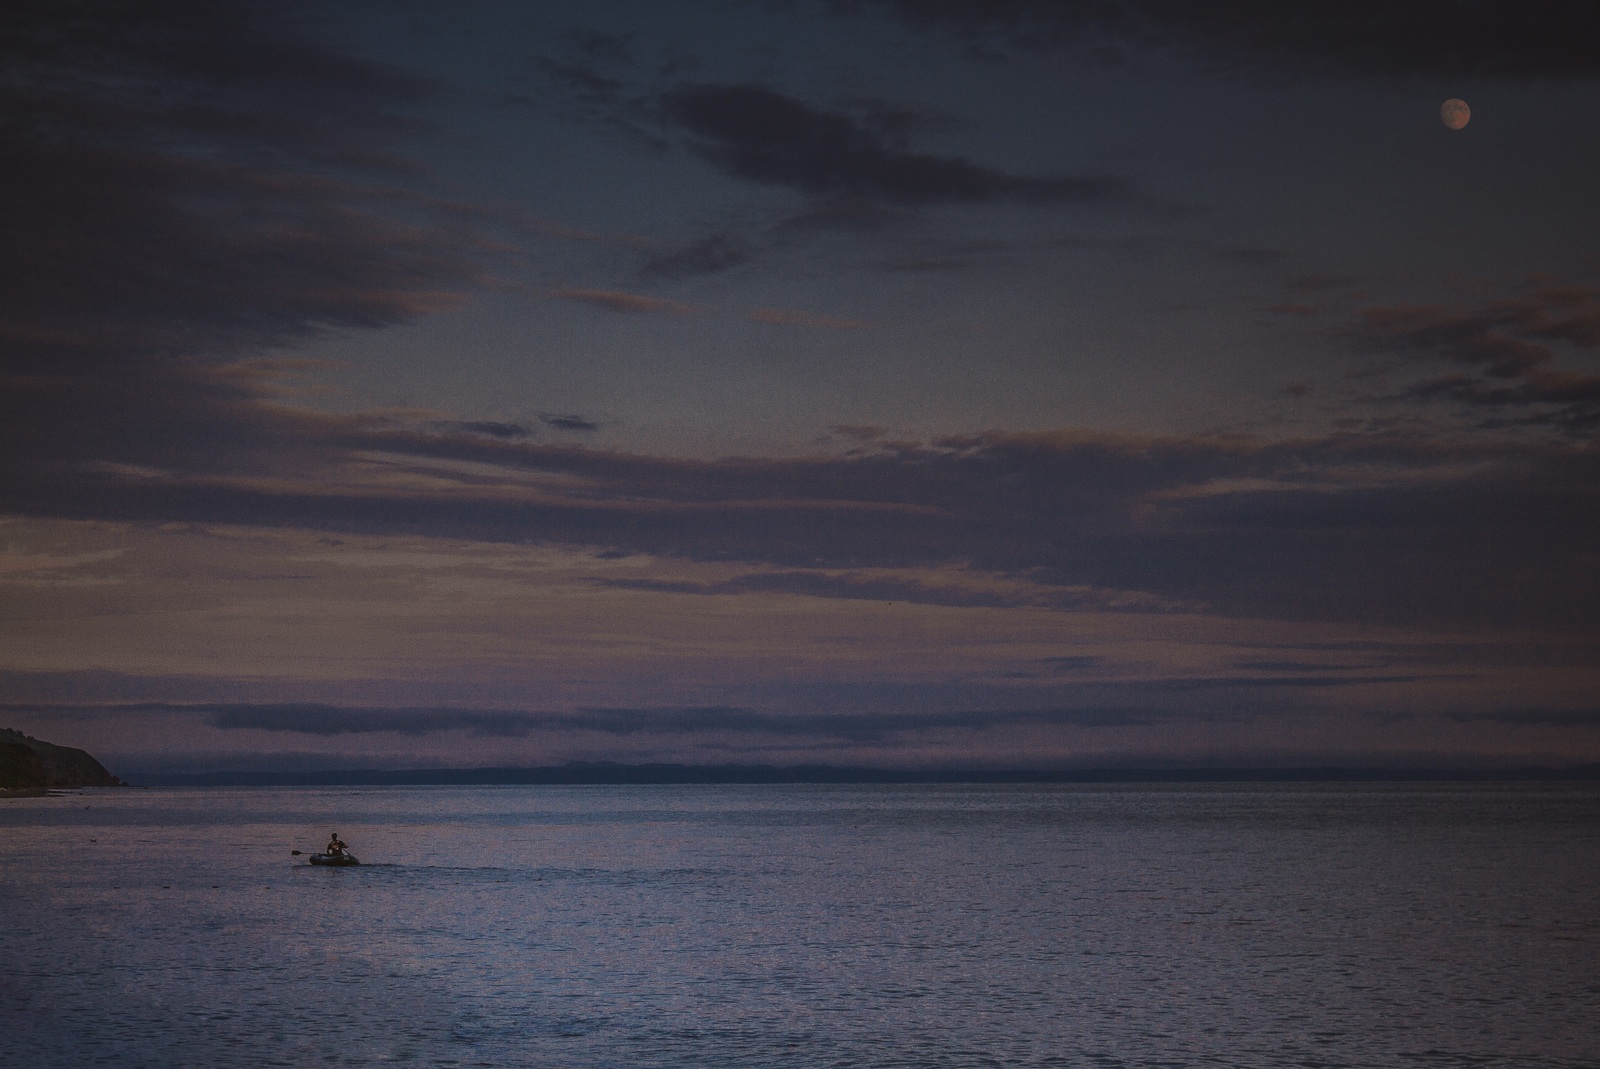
335	846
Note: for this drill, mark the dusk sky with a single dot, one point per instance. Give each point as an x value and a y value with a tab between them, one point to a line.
895	383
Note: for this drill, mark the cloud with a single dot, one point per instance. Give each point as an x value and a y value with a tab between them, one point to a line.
856	728
194	179
638	304
1576	718
311	719
1515	347
1422	38
759	135
628	303
1297	666
492	428
568	422
1072	663
314	718
965	592
1147	704
133	304
1373	529
703	256
321	720
16	562
188	184
790	318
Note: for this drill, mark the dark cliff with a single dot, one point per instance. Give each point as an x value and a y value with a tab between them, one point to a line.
27	762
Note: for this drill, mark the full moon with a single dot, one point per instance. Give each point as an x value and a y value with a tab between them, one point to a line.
1455	113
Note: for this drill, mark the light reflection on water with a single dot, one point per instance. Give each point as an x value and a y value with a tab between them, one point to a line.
1264	925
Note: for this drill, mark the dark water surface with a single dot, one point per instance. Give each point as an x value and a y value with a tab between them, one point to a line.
1262	925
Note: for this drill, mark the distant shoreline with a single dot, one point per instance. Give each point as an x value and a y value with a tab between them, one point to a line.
40	792
645	775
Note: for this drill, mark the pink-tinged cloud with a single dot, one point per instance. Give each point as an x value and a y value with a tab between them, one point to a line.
627	303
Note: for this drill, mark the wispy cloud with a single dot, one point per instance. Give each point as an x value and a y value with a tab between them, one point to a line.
492	428
568	421
321	720
1561	718
628	303
701	256
960	591
760	135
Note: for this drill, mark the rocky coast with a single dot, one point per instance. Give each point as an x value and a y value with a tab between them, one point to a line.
30	767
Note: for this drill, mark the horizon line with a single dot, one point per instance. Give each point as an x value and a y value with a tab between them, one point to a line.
614	773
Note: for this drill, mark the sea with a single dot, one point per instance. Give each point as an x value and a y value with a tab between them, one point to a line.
1112	925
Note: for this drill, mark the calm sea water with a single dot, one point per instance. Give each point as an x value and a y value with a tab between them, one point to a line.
1305	925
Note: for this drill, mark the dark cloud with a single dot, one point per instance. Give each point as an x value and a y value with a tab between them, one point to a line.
584	82
1561	718
854	728
1298	666
885	717
757	134
1480	652
1514	346
861	727
188	184
317	719
568	422
704	256
311	719
925	255
186	178
1072	663
492	428
1277	682
1421	38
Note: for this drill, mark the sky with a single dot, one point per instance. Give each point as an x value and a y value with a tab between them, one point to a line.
890	383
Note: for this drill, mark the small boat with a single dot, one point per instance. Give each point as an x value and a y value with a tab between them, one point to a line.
333	859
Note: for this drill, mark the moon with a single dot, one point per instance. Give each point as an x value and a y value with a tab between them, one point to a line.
1455	113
